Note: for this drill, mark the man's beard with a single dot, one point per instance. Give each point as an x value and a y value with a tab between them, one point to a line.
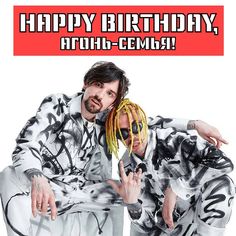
90	107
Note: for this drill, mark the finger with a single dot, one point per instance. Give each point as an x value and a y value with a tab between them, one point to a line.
216	136
139	173
210	140
39	201
218	143
131	176
135	176
122	171
33	201
171	223
114	185
45	204
53	207
223	140
139	176
167	215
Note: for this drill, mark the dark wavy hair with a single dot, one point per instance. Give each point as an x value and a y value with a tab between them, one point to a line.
106	72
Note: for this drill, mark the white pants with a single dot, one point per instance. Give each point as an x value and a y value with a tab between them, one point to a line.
206	216
16	201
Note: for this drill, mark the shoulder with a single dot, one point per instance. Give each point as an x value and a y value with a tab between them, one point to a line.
163	132
58	102
158	121
59	98
171	134
102	117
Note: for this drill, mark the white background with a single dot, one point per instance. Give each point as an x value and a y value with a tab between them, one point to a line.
191	87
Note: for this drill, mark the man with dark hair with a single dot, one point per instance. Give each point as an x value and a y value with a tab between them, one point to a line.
61	163
184	189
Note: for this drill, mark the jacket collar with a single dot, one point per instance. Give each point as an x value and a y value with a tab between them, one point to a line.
75	105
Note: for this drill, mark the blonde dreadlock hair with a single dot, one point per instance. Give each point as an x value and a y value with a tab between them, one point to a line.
112	124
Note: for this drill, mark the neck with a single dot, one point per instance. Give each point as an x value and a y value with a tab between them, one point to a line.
140	155
87	115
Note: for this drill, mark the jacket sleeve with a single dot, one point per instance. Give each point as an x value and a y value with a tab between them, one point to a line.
48	119
143	217
193	162
161	122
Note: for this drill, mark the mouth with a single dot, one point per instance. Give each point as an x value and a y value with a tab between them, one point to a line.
96	102
136	144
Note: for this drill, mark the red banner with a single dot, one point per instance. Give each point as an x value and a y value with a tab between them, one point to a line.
118	30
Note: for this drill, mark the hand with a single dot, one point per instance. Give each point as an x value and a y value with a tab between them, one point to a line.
209	133
130	186
168	207
42	196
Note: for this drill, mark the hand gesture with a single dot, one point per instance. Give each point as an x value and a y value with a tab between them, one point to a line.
168	207
209	133
130	186
42	196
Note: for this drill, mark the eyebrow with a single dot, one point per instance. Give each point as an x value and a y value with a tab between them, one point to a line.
110	90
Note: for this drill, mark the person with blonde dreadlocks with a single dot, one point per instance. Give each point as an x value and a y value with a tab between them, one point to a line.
173	183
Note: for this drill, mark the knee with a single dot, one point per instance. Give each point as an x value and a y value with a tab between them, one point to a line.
216	201
10	185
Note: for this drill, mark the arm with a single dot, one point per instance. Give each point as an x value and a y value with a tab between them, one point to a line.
27	154
161	122
27	158
168	207
206	131
192	163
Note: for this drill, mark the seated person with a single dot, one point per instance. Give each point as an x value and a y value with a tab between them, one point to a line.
173	183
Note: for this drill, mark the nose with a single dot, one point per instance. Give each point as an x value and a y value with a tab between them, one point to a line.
100	94
136	137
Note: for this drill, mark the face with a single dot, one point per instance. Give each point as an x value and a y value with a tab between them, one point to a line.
99	96
138	147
